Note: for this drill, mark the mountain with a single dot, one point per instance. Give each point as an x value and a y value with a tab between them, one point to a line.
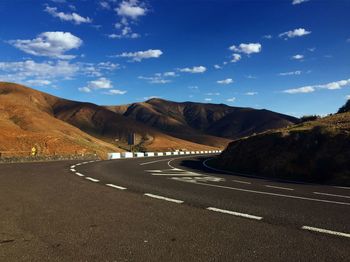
313	151
345	108
58	126
199	122
27	120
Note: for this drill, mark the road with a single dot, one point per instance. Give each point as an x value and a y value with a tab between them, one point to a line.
168	208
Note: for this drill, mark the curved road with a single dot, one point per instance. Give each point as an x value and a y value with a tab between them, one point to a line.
183	210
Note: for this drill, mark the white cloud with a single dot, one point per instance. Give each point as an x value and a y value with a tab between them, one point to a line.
295	33
231	100
297	2
304	89
267	36
170	74
50	44
236	58
298	57
208	99
73	17
251	93
84	89
113	92
39	82
330	86
225	81
29	70
193	87
150	97
217	67
212	94
298	72
159	78
140	55
101	83
347	97
312	49
193	70
105	5
248	49
251	77
131	9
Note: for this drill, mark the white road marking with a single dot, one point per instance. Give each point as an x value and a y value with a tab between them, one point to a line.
242	182
117	187
92	179
234	213
342	187
73	170
78	174
154	171
176	174
278	187
164	198
72	166
155	161
326	231
326	194
274	194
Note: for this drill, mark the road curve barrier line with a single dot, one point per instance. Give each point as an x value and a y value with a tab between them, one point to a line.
79	174
117	187
92	179
333	195
325	231
164	198
275	194
278	187
233	213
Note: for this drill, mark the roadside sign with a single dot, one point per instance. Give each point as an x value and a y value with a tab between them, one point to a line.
131	139
34	151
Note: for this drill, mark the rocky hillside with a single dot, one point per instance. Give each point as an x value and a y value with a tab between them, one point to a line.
314	151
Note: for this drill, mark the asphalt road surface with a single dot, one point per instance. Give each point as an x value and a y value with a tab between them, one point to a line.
165	209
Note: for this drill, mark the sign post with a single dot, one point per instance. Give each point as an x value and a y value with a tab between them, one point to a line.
131	140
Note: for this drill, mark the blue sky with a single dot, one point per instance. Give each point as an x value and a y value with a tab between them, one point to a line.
289	56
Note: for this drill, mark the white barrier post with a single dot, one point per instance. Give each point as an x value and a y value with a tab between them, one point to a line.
113	156
149	154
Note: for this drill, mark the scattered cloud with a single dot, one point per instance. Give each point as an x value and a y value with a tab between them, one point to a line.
295	33
236	58
193	87
193	70
140	55
312	49
98	84
267	36
251	77
159	78
251	93
50	44
292	73
225	81
39	82
312	88
208	99
248	49
212	94
132	9
231	100
84	89
113	92
105	5
70	17
297	2
298	57
304	89
217	67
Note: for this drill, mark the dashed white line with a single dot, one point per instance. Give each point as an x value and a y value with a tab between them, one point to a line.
342	187
278	187
164	198
117	187
73	170
326	194
72	166
234	213
176	174
326	231
78	174
242	182
92	179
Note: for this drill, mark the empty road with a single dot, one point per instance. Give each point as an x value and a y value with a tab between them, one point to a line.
168	208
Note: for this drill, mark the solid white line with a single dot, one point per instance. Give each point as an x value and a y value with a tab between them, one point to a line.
164	198
151	162
342	187
78	174
92	179
274	194
277	187
73	170
326	194
242	182
234	213
117	187
153	171
326	231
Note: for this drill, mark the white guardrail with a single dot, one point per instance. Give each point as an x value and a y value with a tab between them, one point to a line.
155	154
